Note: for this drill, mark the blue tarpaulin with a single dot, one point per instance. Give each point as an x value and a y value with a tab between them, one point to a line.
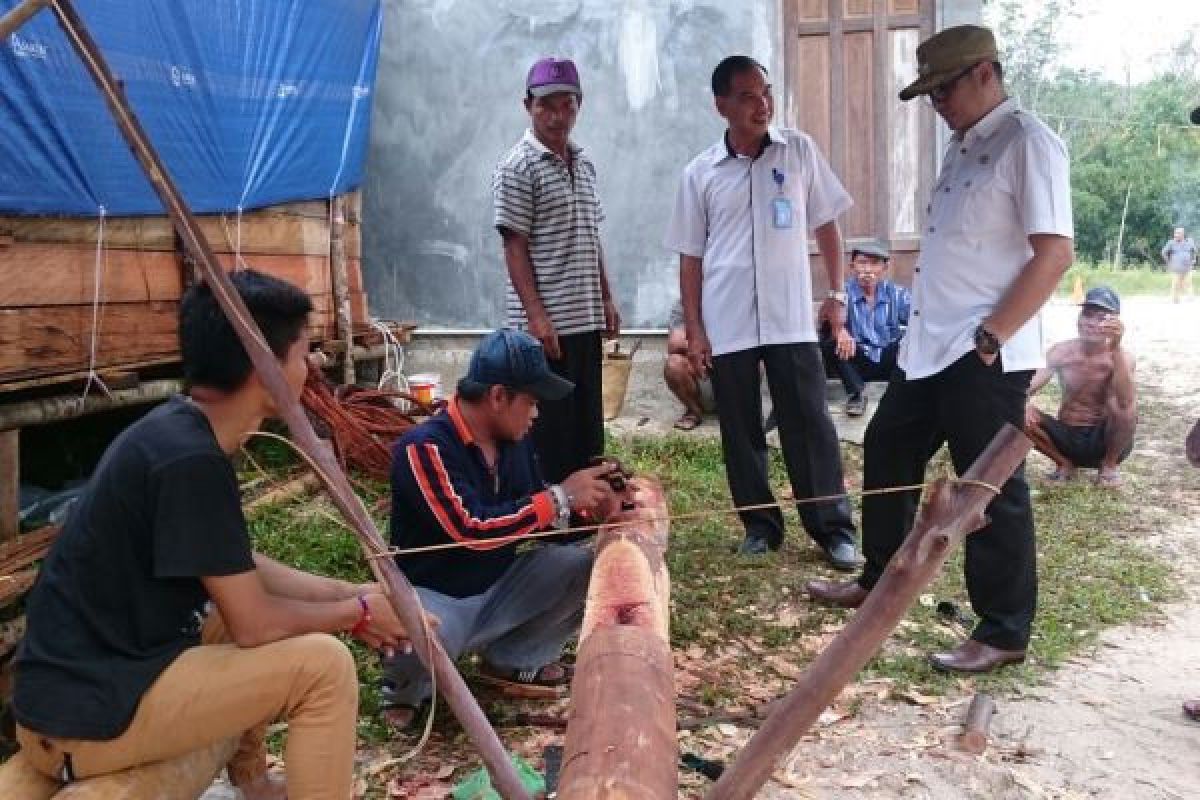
249	103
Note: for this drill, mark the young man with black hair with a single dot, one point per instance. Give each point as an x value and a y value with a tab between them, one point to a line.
155	630
469	476
743	214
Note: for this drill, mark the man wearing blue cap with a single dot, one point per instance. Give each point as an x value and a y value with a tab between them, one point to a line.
548	214
1096	419
469	476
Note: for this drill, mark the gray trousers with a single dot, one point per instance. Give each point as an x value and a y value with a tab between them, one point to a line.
522	622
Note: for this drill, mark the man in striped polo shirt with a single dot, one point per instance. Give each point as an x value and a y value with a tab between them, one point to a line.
548	214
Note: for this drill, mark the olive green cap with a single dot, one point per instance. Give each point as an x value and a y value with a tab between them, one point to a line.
870	247
948	52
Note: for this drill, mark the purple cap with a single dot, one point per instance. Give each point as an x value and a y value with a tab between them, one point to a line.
550	75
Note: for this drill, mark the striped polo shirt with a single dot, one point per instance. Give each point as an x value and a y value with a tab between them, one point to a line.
555	206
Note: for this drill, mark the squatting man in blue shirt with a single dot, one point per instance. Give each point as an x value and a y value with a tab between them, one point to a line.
865	348
470	475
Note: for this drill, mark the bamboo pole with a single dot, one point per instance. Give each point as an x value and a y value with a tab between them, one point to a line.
341	285
974	738
401	593
620	741
950	512
19	15
55	409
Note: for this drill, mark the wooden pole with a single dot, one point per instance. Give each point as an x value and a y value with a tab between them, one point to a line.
10	484
182	778
975	729
401	593
620	742
341	285
951	511
55	409
19	15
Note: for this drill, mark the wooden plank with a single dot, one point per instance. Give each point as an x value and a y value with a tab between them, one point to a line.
10	481
855	117
811	84
836	77
55	274
881	104
268	232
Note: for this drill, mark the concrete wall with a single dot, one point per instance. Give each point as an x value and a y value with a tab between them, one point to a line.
448	105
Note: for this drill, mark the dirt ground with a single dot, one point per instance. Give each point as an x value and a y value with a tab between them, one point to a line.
1107	724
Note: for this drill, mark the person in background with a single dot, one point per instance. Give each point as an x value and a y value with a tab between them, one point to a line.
865	348
692	389
548	215
1098	413
1179	256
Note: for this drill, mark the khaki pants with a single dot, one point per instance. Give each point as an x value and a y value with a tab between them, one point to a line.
218	691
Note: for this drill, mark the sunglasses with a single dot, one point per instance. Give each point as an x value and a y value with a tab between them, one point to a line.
943	90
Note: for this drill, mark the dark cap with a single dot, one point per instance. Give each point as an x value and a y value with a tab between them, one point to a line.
948	52
516	360
551	75
870	247
1103	297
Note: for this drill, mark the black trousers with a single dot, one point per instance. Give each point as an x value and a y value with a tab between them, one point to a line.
569	432
963	406
796	380
857	370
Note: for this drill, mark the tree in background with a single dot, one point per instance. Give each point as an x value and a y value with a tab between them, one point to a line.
1126	140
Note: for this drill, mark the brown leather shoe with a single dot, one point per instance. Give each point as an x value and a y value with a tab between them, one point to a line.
844	594
973	656
1191	709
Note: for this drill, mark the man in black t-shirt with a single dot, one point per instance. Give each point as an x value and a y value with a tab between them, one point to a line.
155	630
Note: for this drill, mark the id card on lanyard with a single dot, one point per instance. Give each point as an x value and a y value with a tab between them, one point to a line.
781	206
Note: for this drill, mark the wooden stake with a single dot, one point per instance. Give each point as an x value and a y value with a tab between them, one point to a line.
341	285
951	511
401	593
621	729
975	728
10	484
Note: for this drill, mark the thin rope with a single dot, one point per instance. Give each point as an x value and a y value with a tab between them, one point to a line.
394	551
238	262
97	290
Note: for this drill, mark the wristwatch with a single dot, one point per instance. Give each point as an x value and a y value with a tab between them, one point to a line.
986	341
834	294
562	506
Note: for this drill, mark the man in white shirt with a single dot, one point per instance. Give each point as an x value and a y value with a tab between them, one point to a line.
743	214
997	240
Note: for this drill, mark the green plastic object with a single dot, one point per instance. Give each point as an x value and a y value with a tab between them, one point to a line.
478	785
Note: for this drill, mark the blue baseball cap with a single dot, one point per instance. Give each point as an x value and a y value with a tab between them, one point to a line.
516	360
1103	297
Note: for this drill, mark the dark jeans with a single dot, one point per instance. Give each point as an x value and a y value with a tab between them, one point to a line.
857	370
796	381
569	432
963	406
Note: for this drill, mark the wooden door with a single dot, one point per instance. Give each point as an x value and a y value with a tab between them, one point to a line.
846	60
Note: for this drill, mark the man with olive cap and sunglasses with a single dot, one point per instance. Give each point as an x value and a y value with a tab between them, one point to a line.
997	238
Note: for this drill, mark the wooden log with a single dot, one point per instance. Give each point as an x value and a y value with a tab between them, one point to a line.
10	484
400	592
16	584
974	738
26	549
54	409
20	781
620	741
951	510
294	488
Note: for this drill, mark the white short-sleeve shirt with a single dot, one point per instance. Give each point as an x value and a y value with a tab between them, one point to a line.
757	284
1008	178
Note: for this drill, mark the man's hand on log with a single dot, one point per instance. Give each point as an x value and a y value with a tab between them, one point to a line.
589	492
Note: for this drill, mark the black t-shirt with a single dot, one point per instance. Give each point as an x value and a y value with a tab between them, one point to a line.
119	596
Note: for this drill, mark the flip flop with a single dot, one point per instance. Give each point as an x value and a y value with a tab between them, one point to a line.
1111	480
403	717
529	683
1191	709
1059	476
688	421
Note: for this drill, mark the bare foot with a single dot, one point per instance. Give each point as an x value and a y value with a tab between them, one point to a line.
265	787
1061	475
689	421
1108	477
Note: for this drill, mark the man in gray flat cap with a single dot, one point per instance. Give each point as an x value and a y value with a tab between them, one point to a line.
997	239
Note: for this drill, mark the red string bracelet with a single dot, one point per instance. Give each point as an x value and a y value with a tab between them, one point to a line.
364	620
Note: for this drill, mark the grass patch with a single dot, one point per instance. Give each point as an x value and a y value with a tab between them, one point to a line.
1134	279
